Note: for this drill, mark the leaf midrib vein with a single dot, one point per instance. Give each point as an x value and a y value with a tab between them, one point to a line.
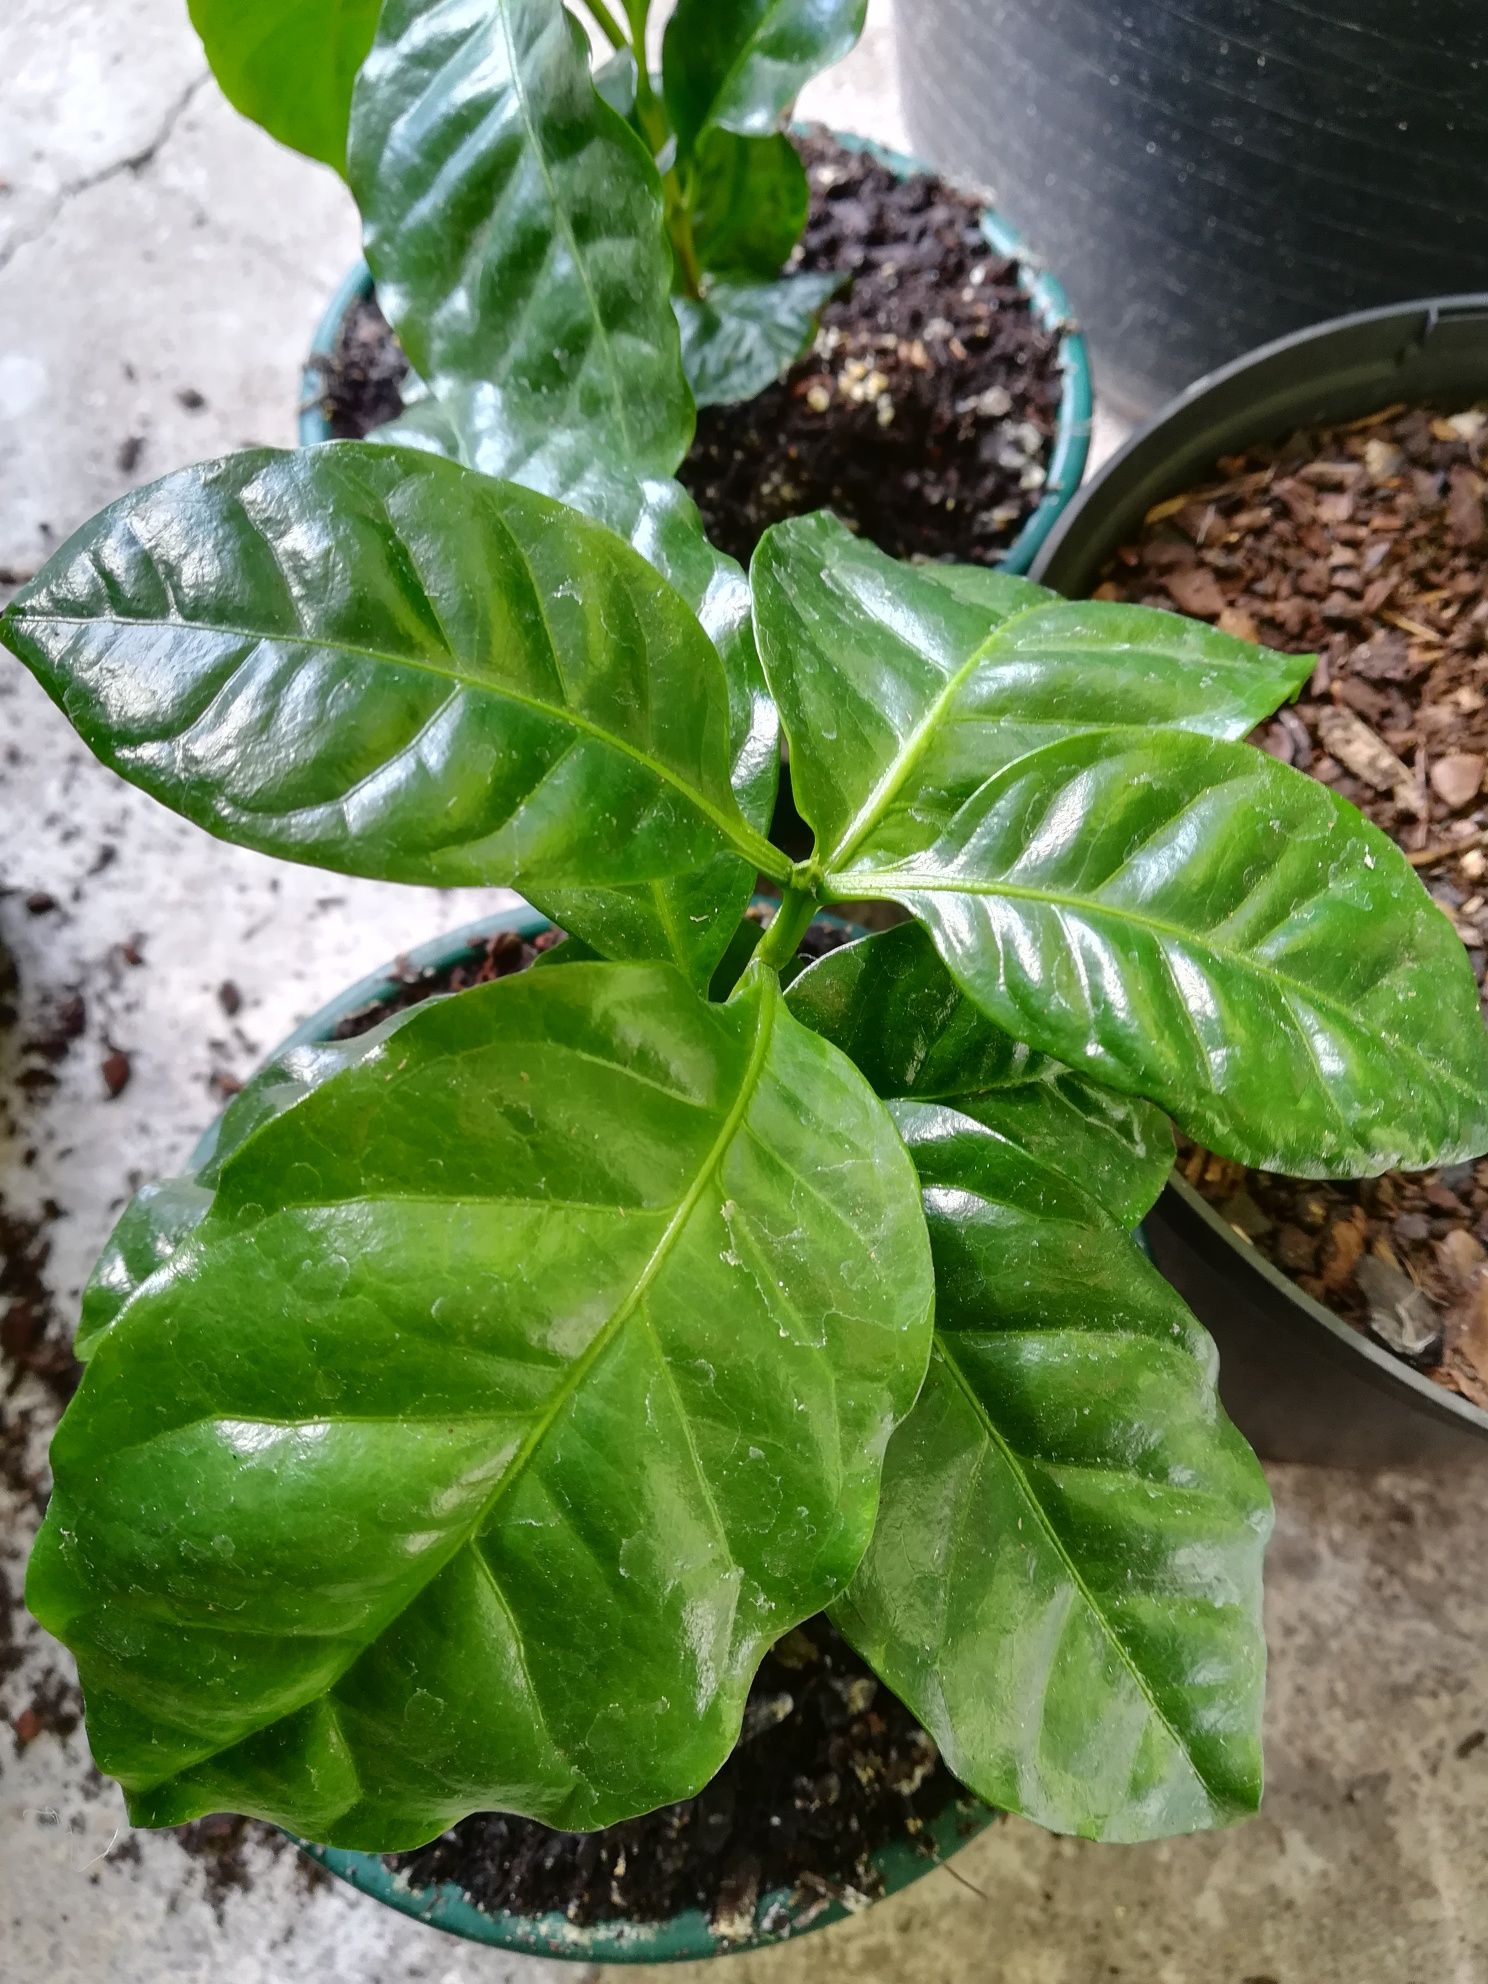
565	224
750	844
886	791
891	881
1056	1543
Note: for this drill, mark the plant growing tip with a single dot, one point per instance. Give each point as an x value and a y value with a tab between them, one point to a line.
464	1430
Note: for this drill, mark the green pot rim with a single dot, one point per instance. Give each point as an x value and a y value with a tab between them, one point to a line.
1051	309
687	1935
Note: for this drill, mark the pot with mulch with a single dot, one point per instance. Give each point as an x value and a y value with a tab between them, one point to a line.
833	1798
1327	494
943	409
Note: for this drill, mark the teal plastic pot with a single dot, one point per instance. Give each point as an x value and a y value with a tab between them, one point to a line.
1046	297
684	1936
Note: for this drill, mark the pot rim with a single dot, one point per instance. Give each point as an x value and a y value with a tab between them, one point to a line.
1341	369
687	1935
1049	303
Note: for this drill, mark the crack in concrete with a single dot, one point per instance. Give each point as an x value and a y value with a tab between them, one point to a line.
136	162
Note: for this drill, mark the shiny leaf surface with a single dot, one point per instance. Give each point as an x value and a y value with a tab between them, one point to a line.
513	221
741	336
895	1011
290	65
524	1381
749	204
684	919
1065	1579
888	675
1190	921
739	63
1175	915
374	660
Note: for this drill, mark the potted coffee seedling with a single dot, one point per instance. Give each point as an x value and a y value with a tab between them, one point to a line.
942	403
508	1383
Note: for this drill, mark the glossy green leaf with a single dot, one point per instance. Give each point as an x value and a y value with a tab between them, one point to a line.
740	337
660	519
740	63
892	1007
513	221
374	660
524	1381
889	674
1188	920
749	200
1174	915
1065	1579
290	64
685	919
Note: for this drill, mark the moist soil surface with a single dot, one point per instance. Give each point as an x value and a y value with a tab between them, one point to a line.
923	414
830	1766
1368	544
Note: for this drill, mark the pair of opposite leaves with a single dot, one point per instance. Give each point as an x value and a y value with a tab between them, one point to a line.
981	778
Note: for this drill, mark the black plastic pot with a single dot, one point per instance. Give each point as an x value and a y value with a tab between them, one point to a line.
1213	174
1298	1380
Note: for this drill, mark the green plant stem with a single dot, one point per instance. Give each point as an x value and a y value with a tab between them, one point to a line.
792	920
605	21
651	120
679	227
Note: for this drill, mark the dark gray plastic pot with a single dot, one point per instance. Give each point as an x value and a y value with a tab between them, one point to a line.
1213	174
1300	1382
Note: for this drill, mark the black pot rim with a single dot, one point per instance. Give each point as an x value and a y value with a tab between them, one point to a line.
1340	370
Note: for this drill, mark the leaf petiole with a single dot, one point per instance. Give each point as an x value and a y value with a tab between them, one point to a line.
792	920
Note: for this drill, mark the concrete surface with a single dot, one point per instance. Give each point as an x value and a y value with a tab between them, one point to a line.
152	244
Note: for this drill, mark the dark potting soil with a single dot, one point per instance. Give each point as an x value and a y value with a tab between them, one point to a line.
923	415
830	1767
1369	544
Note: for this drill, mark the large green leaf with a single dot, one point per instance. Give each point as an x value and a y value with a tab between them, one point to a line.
523	1382
290	64
513	221
1190	921
888	673
1065	1579
749	204
740	337
1174	915
740	63
377	661
892	1007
